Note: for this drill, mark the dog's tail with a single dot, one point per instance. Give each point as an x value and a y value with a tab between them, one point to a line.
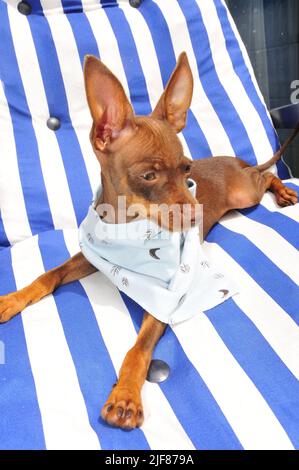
279	153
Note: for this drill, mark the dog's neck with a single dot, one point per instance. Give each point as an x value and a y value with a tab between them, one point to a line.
110	197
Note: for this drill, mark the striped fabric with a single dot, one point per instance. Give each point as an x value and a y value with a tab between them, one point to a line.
234	370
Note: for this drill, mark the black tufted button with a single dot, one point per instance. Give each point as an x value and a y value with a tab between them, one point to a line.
135	3
24	8
158	371
53	123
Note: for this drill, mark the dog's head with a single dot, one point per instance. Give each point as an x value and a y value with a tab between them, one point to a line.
141	156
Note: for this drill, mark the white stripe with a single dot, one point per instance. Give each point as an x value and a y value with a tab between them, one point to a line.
233	85
89	5
269	202
12	204
63	412
72	74
292	180
201	106
107	44
51	7
148	60
146	52
161	427
110	54
49	152
273	322
273	245
13	3
250	417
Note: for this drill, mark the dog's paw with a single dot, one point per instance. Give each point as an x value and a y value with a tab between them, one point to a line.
123	409
286	196
10	305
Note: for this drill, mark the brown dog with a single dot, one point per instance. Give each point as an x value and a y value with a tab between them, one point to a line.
142	158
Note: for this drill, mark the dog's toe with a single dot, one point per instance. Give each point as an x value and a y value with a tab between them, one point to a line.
123	409
9	307
286	197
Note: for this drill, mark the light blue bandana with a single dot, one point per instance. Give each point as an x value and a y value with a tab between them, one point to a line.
167	273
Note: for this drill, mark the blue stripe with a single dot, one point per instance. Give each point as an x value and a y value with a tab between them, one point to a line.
242	72
72	6
32	181
110	3
73	161
82	31
188	395
199	413
282	170
94	368
292	185
159	30
4	242
228	440
275	382
274	281
213	87
286	227
20	419
130	60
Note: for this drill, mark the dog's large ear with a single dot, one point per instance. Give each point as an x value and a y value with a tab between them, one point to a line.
110	109
176	98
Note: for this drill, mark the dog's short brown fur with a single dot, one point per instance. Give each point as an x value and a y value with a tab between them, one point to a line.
142	158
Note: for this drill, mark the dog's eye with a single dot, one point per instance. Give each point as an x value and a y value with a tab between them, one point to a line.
187	168
149	176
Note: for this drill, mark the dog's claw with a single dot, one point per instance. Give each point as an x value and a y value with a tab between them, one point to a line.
123	408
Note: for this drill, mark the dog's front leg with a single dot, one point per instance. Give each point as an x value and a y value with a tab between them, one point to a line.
124	407
73	269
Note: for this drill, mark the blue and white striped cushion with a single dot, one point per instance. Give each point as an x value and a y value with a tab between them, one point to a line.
234	374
